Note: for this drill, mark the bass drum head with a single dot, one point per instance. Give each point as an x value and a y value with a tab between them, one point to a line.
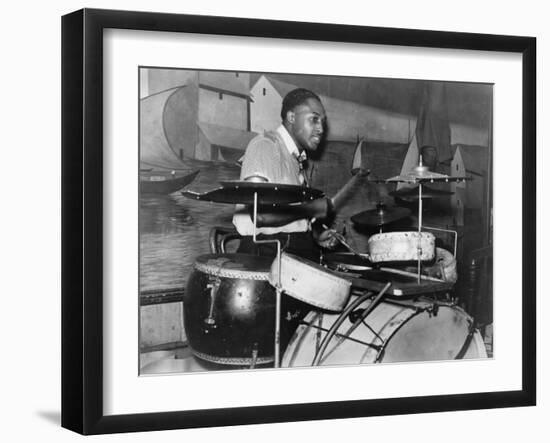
425	336
390	333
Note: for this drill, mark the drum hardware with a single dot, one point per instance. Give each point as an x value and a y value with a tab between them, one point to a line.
467	342
455	233
420	175
214	285
340	320
254	356
338	335
278	287
357	315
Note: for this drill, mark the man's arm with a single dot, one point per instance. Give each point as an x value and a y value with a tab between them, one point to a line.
320	208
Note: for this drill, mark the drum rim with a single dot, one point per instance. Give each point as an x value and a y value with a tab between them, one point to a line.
217	269
233	361
292	350
440	304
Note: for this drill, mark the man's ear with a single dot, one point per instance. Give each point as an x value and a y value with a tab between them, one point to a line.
290	117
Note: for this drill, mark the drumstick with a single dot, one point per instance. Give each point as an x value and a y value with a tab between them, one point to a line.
411	274
342	240
341	195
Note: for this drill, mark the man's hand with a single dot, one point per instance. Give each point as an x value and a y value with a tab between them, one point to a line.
325	238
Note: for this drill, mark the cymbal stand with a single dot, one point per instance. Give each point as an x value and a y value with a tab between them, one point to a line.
455	233
278	286
419	248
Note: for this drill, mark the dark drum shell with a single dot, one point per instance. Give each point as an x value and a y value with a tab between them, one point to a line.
229	309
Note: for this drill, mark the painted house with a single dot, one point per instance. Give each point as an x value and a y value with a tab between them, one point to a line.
346	120
192	112
470	196
221	143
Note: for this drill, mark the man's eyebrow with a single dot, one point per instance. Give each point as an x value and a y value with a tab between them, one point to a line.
323	116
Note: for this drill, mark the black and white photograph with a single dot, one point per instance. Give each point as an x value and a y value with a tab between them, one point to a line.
275	221
296	220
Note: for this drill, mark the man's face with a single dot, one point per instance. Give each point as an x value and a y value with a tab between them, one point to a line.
306	124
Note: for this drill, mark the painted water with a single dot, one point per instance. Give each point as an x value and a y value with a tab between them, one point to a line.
174	230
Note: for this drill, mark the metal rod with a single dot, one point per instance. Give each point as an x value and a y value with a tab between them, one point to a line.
278	290
321	329
419	249
409	274
446	230
343	316
359	321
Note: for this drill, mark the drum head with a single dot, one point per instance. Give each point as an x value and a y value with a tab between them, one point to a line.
425	337
401	246
243	266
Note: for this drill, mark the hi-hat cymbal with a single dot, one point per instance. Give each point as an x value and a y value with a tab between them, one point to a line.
268	193
411	194
380	216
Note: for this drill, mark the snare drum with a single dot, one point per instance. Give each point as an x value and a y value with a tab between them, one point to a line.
393	332
401	246
229	309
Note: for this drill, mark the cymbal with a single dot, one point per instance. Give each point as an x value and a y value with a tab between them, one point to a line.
411	194
268	193
380	216
422	174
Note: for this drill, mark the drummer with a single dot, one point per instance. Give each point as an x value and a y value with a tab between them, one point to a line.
278	157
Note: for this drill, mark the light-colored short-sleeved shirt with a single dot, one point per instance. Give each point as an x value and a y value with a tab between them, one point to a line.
273	156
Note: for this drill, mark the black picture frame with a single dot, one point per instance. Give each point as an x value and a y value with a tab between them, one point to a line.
82	219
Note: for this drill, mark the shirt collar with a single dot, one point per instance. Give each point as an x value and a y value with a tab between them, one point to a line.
291	145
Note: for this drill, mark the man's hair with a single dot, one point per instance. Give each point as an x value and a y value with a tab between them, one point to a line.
296	97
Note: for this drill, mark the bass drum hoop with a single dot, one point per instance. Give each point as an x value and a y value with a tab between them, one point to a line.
393	324
413	313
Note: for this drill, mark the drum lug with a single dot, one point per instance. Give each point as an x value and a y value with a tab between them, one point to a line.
433	310
213	285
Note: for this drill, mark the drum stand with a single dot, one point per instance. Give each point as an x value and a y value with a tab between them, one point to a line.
419	228
278	288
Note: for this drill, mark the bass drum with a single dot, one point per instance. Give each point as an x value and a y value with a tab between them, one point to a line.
394	331
229	309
